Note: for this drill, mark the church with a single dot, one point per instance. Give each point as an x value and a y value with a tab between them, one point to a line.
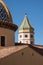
24	52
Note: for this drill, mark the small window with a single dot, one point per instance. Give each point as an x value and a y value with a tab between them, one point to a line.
20	36
31	42
31	36
22	53
26	35
32	54
20	41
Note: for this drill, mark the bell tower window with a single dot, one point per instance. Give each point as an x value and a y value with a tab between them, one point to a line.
20	36
26	36
31	42
31	36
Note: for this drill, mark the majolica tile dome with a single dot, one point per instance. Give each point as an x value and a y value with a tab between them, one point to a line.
4	13
5	17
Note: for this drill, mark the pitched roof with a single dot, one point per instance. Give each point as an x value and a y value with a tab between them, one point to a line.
6	51
37	48
26	24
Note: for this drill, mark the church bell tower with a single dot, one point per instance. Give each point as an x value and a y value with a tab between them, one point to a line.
26	32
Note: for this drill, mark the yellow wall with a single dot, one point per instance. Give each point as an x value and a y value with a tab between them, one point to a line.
24	30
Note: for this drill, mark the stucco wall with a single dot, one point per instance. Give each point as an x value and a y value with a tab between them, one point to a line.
25	56
26	40
9	36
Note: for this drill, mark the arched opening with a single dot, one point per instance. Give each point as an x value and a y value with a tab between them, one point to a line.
20	41
20	36
2	40
26	36
31	42
31	36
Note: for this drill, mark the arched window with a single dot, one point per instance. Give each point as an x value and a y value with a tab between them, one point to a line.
20	36
31	36
26	36
31	42
20	41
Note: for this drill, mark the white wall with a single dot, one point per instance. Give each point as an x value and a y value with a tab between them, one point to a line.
24	39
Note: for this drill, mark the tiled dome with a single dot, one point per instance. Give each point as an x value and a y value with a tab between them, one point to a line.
5	15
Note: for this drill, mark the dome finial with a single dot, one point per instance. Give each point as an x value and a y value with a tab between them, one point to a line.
25	14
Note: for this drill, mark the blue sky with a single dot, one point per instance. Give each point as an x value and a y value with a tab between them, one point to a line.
34	10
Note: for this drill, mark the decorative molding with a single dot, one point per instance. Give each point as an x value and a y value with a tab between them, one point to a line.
8	25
